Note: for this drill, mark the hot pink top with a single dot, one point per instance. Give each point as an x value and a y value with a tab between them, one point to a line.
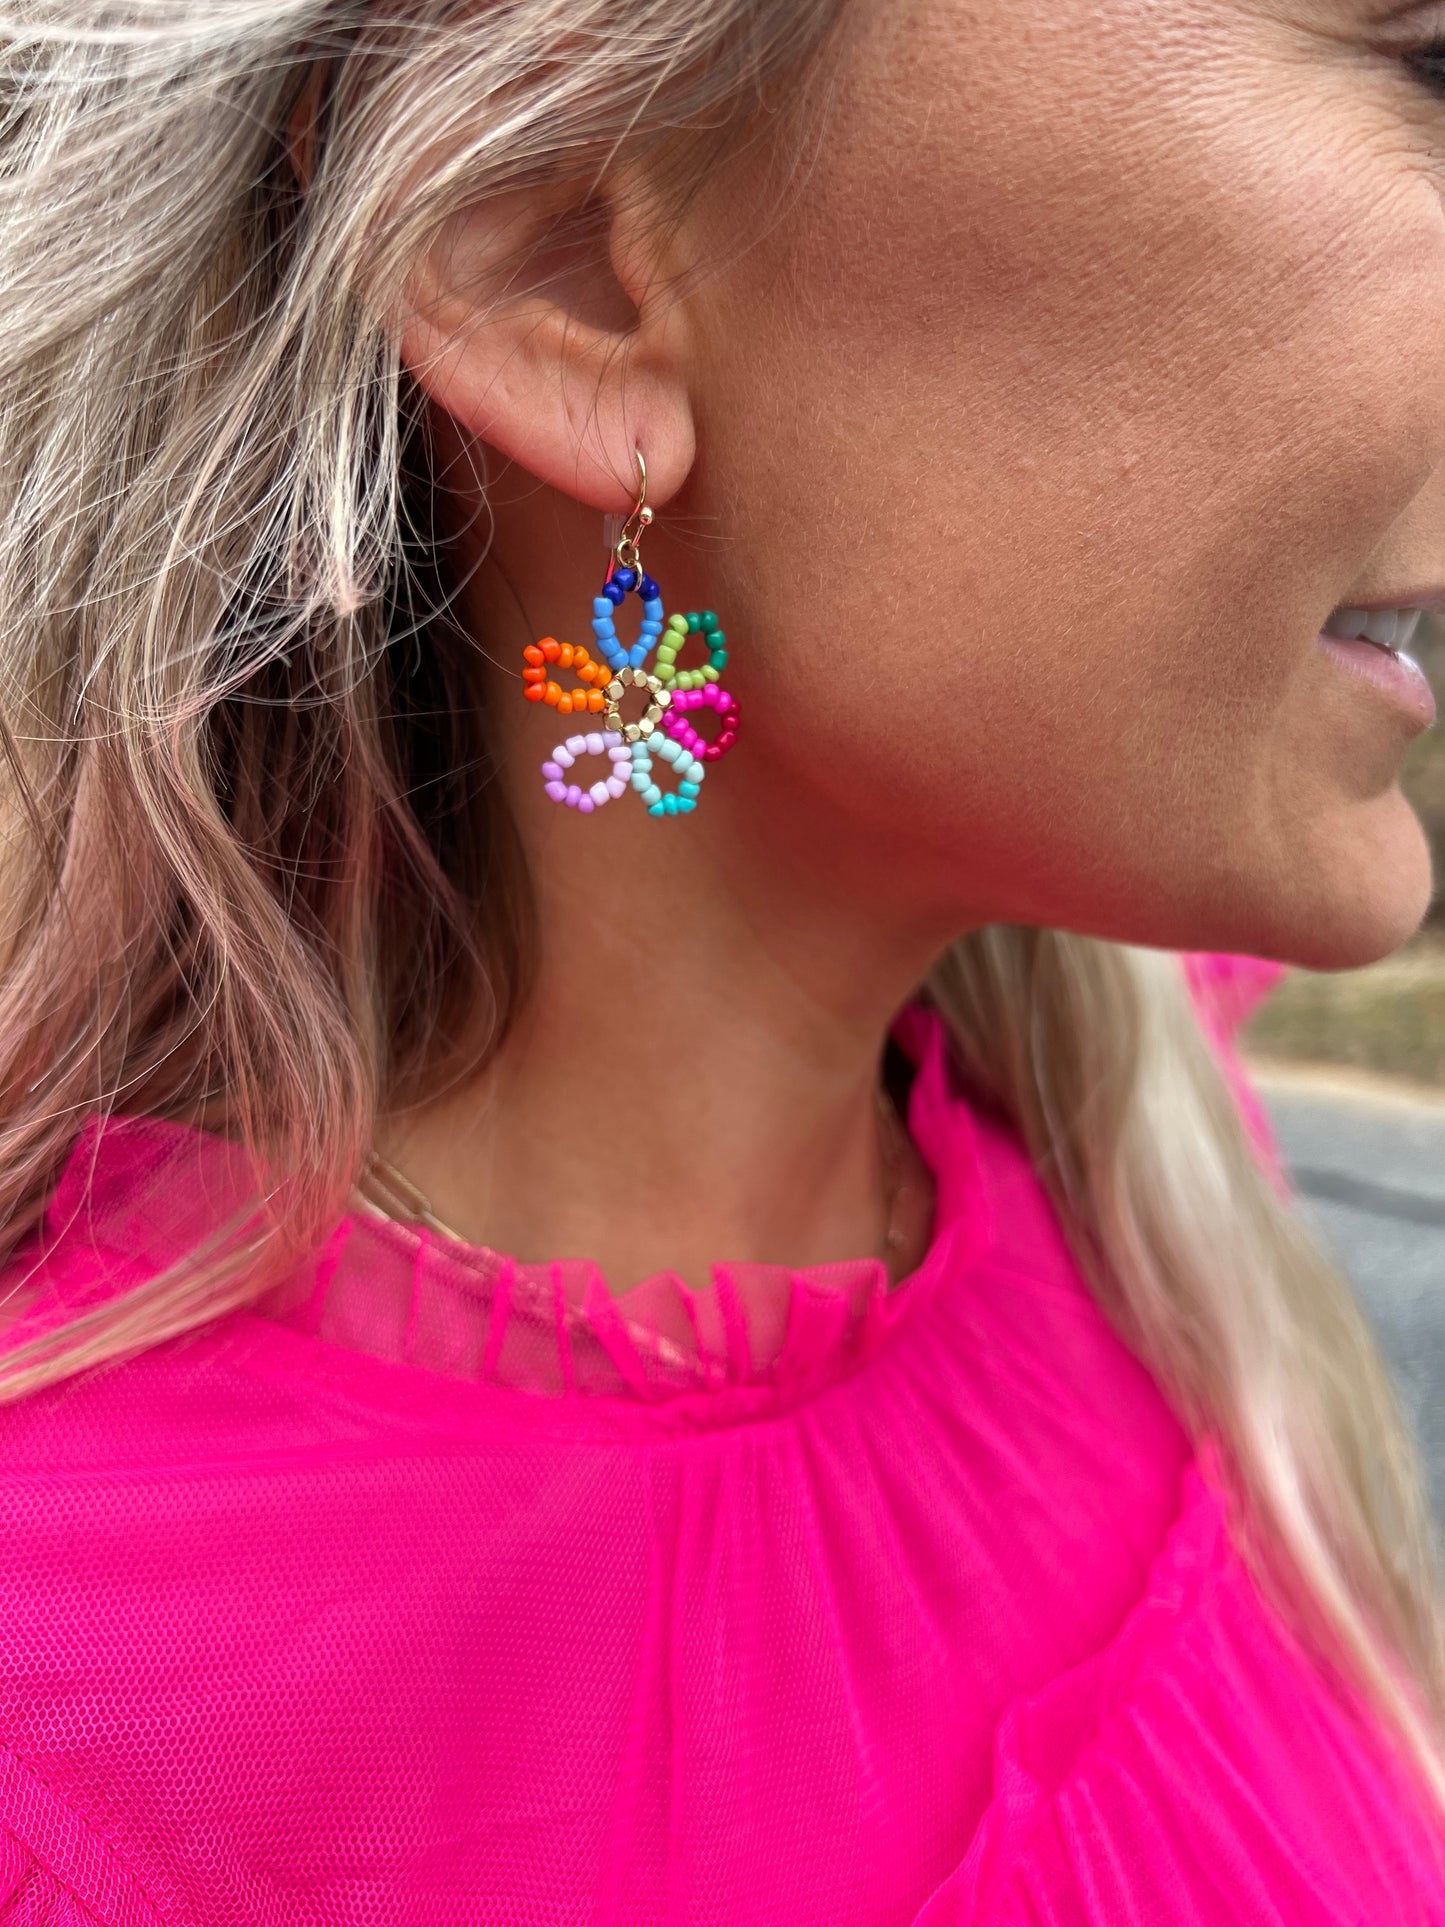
447	1591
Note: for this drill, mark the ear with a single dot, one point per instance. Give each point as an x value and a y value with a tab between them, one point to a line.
571	360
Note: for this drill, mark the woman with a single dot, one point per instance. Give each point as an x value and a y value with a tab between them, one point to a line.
621	1314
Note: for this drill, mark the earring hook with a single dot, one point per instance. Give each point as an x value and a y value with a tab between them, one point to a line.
625	549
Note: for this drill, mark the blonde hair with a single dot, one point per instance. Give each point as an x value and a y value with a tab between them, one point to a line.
242	747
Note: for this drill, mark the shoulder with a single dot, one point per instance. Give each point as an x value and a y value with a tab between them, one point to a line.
135	1197
1198	1768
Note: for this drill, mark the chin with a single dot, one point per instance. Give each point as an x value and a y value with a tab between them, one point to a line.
1347	894
1362	912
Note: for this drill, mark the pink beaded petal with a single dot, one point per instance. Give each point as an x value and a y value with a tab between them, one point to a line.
710	696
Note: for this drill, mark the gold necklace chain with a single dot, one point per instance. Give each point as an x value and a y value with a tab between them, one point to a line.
391	1194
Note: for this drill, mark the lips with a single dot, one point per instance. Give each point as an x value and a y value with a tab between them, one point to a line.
1393	676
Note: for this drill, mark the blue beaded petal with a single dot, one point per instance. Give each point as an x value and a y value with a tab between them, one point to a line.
612	594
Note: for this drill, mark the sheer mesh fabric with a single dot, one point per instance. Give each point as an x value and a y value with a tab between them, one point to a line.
441	1589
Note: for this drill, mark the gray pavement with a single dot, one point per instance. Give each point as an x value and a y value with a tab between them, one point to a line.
1368	1164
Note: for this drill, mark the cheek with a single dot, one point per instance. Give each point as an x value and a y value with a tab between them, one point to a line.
1053	473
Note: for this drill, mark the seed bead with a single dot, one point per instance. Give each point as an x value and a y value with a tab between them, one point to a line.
604	626
538	687
660	699
605	790
710	696
689	770
678	629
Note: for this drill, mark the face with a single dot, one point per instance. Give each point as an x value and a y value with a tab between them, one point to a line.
1099	357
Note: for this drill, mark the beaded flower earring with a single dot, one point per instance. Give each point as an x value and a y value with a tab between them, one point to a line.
671	695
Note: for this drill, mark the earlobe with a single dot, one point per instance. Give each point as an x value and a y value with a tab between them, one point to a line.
540	378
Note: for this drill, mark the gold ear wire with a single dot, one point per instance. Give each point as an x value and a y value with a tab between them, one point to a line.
625	548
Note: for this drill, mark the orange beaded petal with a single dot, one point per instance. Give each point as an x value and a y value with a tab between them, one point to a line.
538	686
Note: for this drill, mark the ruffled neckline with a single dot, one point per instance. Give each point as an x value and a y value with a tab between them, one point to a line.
143	1190
403	1292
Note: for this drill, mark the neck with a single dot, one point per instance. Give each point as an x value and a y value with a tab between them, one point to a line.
681	1088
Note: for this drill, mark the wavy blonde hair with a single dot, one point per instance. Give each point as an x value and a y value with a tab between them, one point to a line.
249	836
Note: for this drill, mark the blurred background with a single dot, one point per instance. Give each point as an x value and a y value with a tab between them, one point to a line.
1351	1068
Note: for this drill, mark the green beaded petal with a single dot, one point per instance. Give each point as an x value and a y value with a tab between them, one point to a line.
700	623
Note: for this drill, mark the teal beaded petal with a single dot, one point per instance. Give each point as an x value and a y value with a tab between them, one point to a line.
689	768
